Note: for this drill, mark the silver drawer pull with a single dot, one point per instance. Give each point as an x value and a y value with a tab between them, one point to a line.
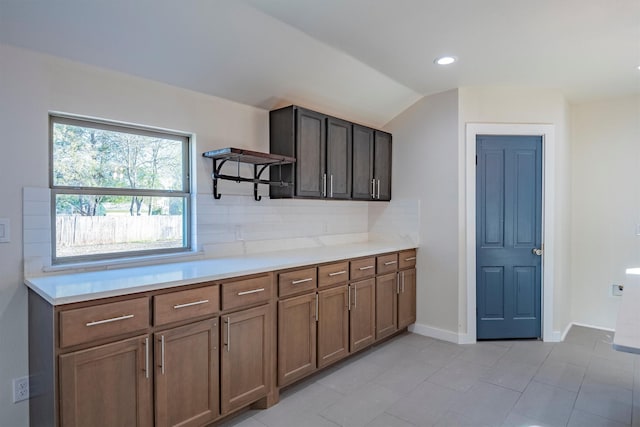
297	282
368	267
253	291
189	304
411	258
113	319
390	262
337	273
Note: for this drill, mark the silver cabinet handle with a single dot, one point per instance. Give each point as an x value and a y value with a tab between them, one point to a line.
368	267
403	282
390	262
378	190
113	319
349	298
253	291
331	186
324	185
337	273
297	282
146	358
317	312
373	188
411	258
398	283
189	304
162	354
228	334
355	296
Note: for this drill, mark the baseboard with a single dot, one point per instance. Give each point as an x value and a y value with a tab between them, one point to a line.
585	325
437	333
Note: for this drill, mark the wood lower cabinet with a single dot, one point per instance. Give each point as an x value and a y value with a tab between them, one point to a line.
186	374
406	298
296	337
386	305
362	314
333	325
189	356
245	356
109	385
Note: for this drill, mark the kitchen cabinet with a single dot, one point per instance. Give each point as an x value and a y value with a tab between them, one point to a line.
406	297
386	305
190	355
107	385
335	158
382	165
339	153
333	325
363	187
406	288
297	318
247	334
371	164
362	331
186	374
245	357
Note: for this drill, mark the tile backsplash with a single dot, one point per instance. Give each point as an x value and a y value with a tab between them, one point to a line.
237	224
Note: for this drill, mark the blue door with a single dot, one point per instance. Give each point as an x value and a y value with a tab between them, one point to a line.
508	236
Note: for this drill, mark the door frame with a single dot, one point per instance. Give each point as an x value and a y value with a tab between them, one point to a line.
547	132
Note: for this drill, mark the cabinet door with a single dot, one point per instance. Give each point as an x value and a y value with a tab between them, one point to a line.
310	154
109	385
339	148
333	325
382	165
362	163
186	374
386	305
407	298
362	314
245	357
296	338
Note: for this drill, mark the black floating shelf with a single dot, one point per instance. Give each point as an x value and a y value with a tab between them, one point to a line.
260	162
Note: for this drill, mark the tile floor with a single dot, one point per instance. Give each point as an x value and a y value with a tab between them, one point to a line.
418	381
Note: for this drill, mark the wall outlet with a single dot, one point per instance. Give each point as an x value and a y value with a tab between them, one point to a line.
616	290
20	389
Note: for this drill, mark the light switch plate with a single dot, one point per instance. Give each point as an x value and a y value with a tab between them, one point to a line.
5	230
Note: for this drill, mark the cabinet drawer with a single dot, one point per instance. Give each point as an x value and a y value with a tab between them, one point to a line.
362	268
101	321
333	273
387	263
184	305
294	282
246	292
407	259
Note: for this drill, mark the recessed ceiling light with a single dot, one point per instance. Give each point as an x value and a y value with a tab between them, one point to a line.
445	60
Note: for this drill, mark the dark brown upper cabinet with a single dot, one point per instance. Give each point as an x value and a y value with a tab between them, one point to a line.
322	146
371	164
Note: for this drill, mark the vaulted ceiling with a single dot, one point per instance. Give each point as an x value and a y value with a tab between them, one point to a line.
366	60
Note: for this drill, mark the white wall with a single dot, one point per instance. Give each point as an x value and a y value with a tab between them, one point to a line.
519	105
425	153
605	204
32	85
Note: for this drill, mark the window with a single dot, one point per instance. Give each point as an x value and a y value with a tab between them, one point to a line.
117	190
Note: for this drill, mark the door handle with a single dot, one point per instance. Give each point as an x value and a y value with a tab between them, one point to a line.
536	251
331	186
324	185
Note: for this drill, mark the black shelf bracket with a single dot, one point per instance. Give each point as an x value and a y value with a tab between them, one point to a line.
260	161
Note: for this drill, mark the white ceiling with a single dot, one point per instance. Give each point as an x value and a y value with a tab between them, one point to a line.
365	60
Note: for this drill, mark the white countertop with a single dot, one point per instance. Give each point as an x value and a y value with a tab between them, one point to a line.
74	287
627	335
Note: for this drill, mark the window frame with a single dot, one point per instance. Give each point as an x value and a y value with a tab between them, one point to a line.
185	192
